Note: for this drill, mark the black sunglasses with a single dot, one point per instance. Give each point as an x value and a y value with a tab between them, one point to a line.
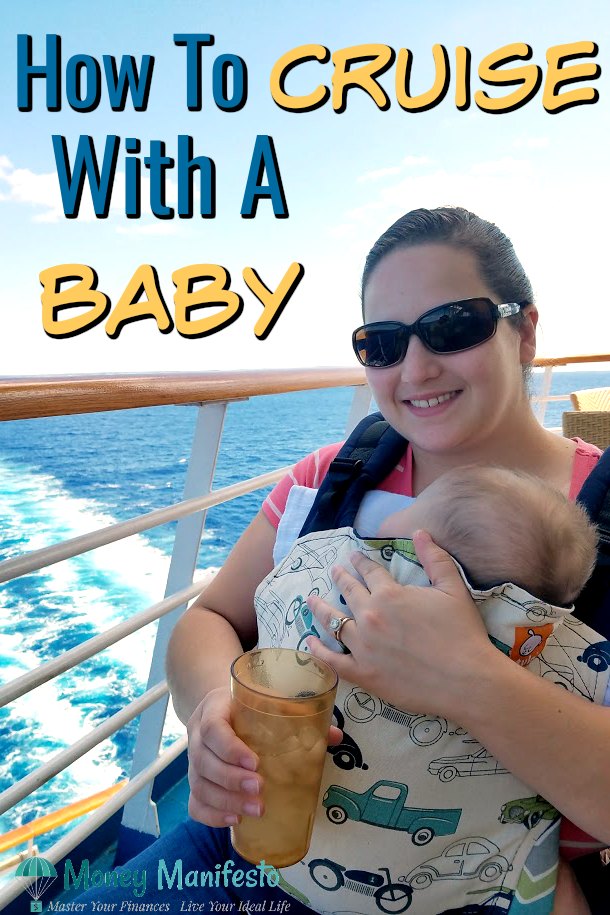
445	329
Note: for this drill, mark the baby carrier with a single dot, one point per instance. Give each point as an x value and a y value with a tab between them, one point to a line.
370	453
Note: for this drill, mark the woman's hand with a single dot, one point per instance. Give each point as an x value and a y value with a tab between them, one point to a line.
222	769
416	647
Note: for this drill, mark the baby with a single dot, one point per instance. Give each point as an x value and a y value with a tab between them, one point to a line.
525	553
504	526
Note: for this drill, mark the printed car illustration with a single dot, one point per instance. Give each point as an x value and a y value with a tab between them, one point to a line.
384	805
299	615
347	754
472	857
389	896
597	656
311	563
527	810
479	763
424	730
499	902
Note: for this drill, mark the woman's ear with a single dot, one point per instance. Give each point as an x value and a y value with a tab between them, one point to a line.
527	332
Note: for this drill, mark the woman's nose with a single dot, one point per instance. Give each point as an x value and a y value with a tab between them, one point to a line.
419	363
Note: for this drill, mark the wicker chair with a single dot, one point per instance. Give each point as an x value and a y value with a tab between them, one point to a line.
591	417
592	399
592	426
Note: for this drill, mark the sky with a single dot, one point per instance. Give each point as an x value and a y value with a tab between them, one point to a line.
543	178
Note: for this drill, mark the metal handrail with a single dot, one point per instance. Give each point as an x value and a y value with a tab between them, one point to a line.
66	757
66	549
83	830
74	656
27	397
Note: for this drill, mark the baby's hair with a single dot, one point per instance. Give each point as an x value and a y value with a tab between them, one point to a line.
493	519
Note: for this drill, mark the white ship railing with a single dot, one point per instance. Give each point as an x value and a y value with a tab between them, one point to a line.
22	398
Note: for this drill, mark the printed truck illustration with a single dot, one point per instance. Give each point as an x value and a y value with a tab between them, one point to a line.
479	763
384	804
424	730
527	810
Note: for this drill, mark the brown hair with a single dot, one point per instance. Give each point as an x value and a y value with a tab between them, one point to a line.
499	265
503	524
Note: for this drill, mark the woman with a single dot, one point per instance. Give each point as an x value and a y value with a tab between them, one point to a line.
416	648
454	408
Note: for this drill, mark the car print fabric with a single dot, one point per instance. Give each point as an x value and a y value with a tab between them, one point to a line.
414	813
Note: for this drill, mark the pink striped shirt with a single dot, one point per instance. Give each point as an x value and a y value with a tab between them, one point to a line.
311	470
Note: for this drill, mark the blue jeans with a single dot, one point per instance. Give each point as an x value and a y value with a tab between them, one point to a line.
171	874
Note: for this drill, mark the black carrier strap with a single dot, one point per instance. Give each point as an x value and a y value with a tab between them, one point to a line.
370	453
593	604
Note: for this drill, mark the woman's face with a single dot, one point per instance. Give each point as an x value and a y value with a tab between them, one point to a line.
480	391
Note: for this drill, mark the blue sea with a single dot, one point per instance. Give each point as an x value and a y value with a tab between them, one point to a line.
64	476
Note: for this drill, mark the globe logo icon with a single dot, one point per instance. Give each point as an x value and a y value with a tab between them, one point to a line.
41	874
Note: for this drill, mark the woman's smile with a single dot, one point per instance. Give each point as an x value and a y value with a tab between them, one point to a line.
430	404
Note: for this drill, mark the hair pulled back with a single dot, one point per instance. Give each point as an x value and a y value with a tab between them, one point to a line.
499	266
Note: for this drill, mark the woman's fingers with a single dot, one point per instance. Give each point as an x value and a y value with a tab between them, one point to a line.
343	664
325	612
221	739
228	777
437	564
355	593
335	736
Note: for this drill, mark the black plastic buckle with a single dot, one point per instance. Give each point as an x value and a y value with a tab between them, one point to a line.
343	470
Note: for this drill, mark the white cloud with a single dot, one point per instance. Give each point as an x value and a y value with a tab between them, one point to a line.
41	191
506	167
20	185
379	173
406	162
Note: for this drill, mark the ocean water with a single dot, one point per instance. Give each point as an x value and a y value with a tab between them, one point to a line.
63	476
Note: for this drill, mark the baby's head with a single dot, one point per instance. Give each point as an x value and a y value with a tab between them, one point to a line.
504	525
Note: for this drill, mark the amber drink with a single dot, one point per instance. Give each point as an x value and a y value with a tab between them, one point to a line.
281	707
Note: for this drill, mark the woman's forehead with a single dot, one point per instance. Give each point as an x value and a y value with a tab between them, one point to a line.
420	277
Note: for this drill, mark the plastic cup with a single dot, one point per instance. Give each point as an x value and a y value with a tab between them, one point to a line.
281	707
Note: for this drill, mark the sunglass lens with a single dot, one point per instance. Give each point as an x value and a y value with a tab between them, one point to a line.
458	326
379	347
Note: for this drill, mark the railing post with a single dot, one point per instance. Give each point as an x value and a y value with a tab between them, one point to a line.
544	394
361	403
140	823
